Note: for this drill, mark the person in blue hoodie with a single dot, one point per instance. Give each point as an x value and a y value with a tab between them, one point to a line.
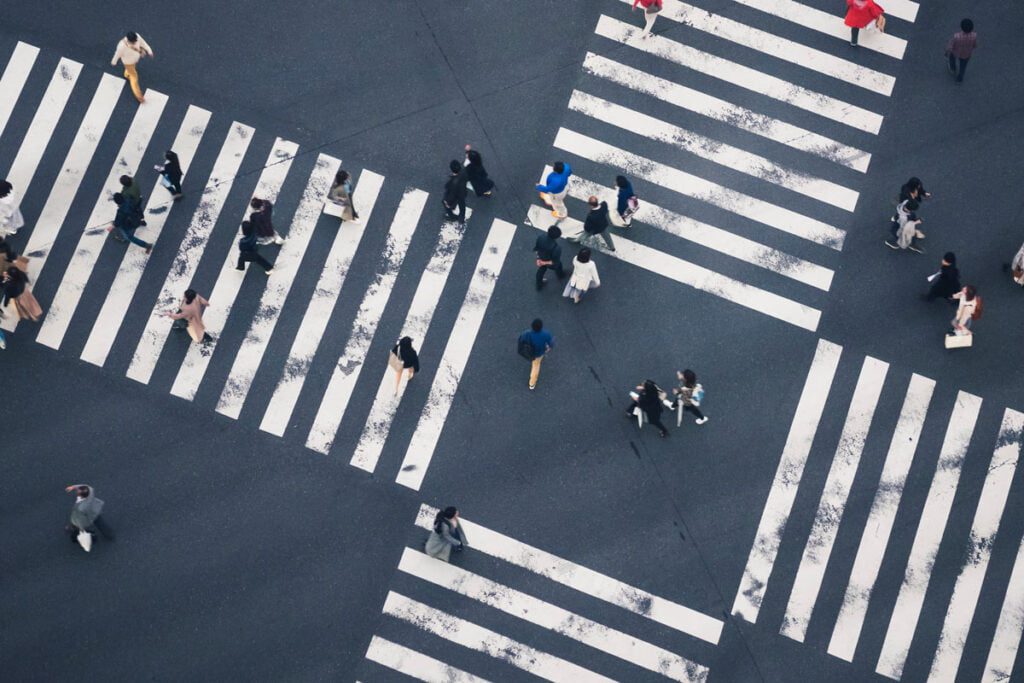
624	207
555	188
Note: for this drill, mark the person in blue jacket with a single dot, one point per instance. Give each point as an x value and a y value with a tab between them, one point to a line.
623	207
555	188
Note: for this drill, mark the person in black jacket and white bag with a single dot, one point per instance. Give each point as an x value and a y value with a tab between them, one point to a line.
403	357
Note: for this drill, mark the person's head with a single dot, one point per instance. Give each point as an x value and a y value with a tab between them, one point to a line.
171	156
5	188
554	232
559	167
949	259
341	177
190	295
448	514
966	25
131	36
405	343
537	325
970	292
650	387
82	491
125	180
474	157
118	198
914	184
246	228
454	166
913	205
620	181
584	255
689	377
592	201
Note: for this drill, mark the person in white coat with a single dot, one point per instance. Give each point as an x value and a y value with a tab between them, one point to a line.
10	215
584	276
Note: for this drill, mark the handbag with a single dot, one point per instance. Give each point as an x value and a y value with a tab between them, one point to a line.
959	341
394	362
165	181
84	539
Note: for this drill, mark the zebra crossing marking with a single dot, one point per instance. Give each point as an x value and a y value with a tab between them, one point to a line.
1002	652
416	664
14	78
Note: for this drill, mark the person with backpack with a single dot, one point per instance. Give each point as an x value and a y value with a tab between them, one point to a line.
549	254
648	397
968	310
533	345
690	393
626	204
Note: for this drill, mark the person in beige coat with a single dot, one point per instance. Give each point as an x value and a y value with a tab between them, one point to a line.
191	310
584	276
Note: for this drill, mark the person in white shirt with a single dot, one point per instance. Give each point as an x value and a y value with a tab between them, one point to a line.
968	302
584	276
130	50
10	216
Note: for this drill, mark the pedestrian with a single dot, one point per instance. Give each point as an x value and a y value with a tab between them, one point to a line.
595	227
476	174
626	203
248	250
86	516
549	254
127	220
945	282
10	215
1016	267
648	397
533	345
691	393
8	257
455	192
584	276
861	14
446	535
403	357
913	189
651	9
170	174
130	50
904	228
131	189
960	48
341	195
18	297
262	210
555	187
968	310
191	309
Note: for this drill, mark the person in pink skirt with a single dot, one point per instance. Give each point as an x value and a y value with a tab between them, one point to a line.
860	14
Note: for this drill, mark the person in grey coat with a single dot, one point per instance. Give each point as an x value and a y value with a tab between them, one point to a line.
447	534
85	514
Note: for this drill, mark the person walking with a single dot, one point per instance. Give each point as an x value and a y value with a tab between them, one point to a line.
476	174
946	282
11	219
690	393
555	187
131	190
913	189
86	515
905	228
1016	267
262	210
960	48
403	357
862	13
446	535
248	250
584	276
648	397
191	309
455	192
651	9
17	295
533	345
549	254
127	220
626	203
595	227
967	311
170	174
341	195
130	50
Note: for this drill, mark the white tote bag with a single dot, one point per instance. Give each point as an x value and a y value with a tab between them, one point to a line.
85	540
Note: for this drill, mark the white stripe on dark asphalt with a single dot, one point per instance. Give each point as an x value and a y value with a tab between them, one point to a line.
416	664
13	81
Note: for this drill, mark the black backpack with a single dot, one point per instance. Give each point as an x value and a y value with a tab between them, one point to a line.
525	346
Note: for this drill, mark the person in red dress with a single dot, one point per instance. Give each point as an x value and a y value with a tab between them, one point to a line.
860	13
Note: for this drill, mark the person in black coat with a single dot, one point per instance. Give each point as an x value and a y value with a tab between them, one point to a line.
595	226
408	358
649	398
477	174
455	192
549	254
948	282
171	171
248	250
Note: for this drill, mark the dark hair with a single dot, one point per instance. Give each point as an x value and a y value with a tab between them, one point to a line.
83	490
950	258
650	387
118	198
970	293
246	228
474	157
559	167
190	295
443	516
620	181
171	156
912	205
132	36
537	325
554	232
454	166
689	378
125	180
913	184
341	176
966	25
405	342
256	203
584	255
5	188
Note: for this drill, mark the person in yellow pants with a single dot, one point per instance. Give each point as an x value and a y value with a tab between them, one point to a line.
130	50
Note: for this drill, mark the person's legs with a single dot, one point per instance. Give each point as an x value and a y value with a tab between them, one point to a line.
535	370
963	68
243	258
133	78
262	262
130	236
558	204
607	237
854	32
540	276
649	18
558	268
695	410
655	419
398	381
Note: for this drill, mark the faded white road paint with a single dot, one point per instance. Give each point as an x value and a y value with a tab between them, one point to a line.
1002	653
13	81
416	664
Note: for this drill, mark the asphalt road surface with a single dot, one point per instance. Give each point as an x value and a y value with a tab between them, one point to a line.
850	512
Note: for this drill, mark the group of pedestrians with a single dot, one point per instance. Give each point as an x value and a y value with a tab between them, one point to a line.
16	298
462	175
648	401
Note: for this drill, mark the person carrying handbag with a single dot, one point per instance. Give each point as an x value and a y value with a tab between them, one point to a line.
651	10
403	357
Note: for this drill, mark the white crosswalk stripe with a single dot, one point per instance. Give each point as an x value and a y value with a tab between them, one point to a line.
1003	652
415	664
94	235
19	66
229	281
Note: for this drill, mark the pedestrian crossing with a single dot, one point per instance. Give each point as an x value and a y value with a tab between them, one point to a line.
132	293
809	613
546	623
746	135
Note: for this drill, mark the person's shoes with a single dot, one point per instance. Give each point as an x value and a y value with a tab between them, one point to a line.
702	420
278	240
177	196
488	193
853	42
891	245
268	272
207	338
142	222
532	387
149	250
919	250
239	267
663	434
628	224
